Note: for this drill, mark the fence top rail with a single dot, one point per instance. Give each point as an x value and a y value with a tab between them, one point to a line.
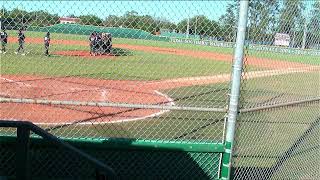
279	105
108	104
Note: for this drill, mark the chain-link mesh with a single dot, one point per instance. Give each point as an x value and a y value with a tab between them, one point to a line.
48	161
161	70
137	59
277	139
138	70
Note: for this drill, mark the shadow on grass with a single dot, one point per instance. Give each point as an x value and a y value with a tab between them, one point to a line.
121	52
300	150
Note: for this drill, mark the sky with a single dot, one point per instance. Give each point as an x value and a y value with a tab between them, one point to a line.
174	11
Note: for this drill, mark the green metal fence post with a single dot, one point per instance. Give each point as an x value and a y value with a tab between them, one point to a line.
235	89
22	156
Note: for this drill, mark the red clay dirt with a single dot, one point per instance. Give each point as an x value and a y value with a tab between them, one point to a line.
115	91
75	89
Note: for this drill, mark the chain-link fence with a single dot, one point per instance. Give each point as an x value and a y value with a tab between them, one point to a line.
277	134
161	72
117	61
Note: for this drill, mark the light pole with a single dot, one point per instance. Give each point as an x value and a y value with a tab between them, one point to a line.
195	27
303	46
188	27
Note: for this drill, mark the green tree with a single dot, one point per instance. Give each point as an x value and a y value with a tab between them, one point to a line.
228	22
3	13
314	25
165	24
291	18
262	19
113	21
200	25
91	20
204	26
132	19
146	23
21	18
43	18
182	26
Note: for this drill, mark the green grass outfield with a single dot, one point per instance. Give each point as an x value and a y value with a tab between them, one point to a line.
137	65
307	59
263	136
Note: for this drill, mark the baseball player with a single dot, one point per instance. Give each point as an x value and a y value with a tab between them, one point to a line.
21	40
98	43
4	41
92	39
47	43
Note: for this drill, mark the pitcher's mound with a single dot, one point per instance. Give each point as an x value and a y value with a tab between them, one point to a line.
82	54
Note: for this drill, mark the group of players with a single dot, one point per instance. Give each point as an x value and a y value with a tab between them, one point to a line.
21	41
100	43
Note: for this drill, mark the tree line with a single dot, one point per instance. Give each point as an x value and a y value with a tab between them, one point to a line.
266	17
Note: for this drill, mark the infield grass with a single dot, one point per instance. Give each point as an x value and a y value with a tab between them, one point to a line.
135	65
306	59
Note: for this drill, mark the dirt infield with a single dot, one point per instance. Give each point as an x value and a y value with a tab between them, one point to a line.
115	91
86	89
76	89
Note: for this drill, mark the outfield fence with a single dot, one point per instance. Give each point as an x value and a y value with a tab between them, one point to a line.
257	47
106	81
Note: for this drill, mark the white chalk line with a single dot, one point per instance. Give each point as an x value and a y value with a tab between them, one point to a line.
226	77
104	95
16	82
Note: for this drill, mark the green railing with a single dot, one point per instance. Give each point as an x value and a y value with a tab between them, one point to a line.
22	148
129	158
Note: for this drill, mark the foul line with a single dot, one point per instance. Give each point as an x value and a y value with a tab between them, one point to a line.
16	82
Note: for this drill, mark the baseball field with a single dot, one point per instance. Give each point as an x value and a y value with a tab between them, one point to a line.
157	73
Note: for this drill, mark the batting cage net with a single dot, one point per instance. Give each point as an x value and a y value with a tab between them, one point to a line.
164	89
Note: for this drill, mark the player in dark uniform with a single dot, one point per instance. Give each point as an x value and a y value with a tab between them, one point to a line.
98	43
4	41
92	39
21	40
47	43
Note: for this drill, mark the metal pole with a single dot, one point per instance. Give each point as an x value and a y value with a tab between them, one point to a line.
2	17
188	27
22	156
304	35
235	89
195	28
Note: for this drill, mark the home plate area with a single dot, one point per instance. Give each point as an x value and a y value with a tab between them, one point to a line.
78	89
